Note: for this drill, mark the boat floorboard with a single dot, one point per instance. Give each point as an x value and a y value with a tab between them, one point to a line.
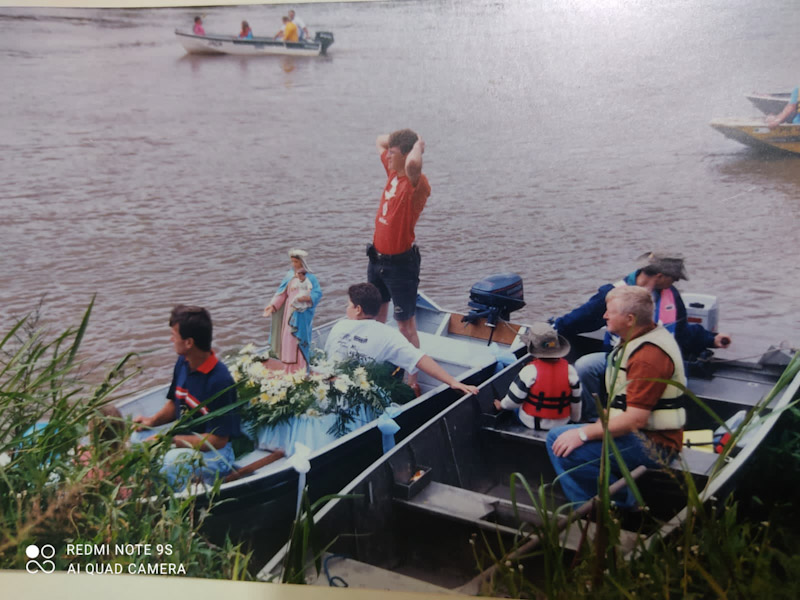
357	574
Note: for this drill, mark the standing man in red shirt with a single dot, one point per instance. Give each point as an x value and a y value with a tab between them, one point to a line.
394	260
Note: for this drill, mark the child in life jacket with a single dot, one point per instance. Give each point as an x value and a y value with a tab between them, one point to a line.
546	392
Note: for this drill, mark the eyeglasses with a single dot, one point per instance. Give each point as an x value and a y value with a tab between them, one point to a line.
301	272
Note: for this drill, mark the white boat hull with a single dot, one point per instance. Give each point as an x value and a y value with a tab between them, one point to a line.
258	46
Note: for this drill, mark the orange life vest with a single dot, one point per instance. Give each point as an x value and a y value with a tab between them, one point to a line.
550	395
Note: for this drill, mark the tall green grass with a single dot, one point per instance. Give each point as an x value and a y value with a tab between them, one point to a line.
60	485
305	548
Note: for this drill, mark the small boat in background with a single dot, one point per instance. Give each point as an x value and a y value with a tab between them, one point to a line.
213	43
754	132
769	104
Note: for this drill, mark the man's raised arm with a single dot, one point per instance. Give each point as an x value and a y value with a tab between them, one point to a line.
382	143
414	161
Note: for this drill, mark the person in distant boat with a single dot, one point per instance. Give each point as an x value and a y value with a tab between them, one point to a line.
394	259
656	272
246	33
200	384
198	26
361	335
789	114
292	311
288	32
546	392
646	418
302	31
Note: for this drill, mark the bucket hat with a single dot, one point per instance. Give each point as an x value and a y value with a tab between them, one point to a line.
544	342
668	264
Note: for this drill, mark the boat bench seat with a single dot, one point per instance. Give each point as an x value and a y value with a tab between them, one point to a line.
454	351
455	503
250	457
698	462
494	514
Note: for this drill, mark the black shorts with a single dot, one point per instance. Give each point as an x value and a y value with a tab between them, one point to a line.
397	278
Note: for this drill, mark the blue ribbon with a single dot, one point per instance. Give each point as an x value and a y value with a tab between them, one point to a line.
388	427
503	357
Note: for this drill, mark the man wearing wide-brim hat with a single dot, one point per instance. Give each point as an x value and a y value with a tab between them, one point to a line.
546	391
656	271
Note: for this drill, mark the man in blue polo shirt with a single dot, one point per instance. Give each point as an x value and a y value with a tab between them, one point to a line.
197	378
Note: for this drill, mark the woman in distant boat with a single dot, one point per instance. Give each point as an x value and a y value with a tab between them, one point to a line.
292	311
246	33
789	114
198	26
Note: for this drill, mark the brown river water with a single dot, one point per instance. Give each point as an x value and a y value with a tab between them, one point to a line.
563	139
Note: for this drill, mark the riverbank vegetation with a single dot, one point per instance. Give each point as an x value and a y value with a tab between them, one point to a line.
68	481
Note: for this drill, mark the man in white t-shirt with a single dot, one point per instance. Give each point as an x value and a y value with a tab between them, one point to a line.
302	31
361	335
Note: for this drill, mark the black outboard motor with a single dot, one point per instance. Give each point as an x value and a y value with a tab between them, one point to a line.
325	38
495	297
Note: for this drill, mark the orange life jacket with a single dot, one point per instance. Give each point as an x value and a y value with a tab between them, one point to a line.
550	395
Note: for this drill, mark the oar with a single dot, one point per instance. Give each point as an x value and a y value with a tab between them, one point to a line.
253	466
473	586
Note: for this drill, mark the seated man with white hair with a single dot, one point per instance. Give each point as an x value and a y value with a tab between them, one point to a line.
646	417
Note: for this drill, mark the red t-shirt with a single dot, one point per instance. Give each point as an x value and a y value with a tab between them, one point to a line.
651	362
400	207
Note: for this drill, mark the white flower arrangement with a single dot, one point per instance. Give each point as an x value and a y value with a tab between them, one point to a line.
327	388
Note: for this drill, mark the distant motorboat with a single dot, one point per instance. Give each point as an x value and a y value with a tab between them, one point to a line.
754	132
213	43
769	104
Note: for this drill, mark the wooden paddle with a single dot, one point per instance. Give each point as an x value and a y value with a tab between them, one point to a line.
253	466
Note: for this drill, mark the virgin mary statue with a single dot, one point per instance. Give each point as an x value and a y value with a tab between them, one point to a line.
292	310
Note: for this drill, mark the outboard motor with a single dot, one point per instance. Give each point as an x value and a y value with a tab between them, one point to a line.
495	297
325	38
